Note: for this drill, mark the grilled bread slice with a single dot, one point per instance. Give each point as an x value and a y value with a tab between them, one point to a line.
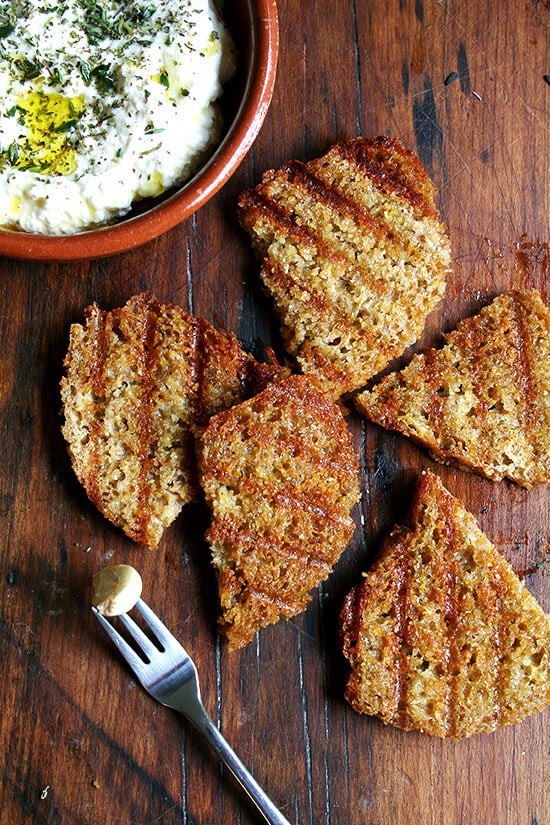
280	475
441	635
139	380
484	398
354	255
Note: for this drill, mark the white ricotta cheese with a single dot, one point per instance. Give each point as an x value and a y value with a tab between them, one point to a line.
103	102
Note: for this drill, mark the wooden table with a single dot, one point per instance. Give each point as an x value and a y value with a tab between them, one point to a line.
80	742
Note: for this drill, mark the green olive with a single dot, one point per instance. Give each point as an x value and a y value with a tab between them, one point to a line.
116	589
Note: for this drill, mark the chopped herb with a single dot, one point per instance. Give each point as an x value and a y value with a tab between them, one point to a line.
5	30
119	152
146	12
86	72
56	77
29	68
67	126
103	76
96	24
164	80
13	153
32	167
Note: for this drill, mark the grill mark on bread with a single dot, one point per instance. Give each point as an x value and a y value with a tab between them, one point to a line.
375	159
350	620
282	281
292	502
474	341
246	380
316	509
498	648
270	596
433	379
451	614
284	221
298	184
268	209
301	175
295	448
197	366
100	350
267	544
299	192
313	361
243	591
148	358
351	258
401	630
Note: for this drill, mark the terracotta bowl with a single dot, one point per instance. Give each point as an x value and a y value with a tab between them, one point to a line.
246	99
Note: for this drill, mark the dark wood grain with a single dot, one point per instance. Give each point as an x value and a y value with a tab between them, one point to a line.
80	742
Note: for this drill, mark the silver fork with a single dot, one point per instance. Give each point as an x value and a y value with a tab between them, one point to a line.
169	674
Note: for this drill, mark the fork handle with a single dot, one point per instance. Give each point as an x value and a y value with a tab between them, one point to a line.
204	724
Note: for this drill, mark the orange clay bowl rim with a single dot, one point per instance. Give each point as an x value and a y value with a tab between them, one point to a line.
134	231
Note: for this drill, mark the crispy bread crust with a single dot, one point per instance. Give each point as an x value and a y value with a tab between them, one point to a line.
483	399
280	475
353	253
441	635
140	381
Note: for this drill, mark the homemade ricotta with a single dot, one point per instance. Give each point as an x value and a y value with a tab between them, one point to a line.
103	102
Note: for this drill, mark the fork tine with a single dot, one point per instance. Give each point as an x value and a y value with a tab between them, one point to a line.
136	662
143	642
159	629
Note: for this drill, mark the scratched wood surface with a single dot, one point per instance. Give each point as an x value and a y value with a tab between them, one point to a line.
80	742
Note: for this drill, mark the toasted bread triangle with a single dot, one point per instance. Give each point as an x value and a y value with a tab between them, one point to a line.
141	381
483	400
441	634
354	254
280	475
